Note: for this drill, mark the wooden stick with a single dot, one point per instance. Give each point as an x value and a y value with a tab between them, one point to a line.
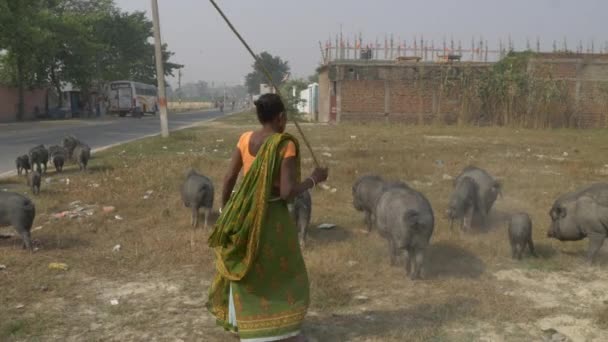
268	76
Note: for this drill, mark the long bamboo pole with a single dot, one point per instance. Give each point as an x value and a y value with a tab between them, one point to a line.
268	76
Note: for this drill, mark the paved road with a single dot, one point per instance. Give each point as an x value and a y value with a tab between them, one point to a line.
18	138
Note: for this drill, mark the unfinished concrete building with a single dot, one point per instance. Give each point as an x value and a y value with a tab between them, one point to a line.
425	92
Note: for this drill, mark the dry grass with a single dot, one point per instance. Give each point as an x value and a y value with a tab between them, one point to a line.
602	317
472	289
187	106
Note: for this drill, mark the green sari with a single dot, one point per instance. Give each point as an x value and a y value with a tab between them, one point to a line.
258	258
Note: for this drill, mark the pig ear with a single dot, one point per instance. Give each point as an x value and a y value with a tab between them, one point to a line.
558	212
553	213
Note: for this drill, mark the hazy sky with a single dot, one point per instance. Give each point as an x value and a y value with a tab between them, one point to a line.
292	29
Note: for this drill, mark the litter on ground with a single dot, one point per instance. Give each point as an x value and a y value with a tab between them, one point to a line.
58	266
327	226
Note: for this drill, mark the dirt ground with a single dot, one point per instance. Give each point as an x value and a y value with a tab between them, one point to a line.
138	272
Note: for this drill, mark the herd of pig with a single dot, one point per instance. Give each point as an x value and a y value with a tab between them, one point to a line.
401	214
405	217
17	210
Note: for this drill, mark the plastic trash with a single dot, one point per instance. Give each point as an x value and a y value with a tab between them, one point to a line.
61	214
75	203
58	266
327	226
108	209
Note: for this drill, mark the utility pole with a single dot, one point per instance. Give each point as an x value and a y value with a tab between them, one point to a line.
179	84
160	72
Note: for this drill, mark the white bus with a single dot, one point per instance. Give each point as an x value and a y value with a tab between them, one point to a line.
132	97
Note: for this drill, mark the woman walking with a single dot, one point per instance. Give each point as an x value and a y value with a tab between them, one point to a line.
261	288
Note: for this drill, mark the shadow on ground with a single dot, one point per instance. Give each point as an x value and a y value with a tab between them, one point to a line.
405	323
497	220
448	261
544	251
320	237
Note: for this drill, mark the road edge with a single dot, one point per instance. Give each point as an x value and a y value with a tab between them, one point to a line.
107	147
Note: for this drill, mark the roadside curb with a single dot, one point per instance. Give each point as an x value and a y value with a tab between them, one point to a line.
107	147
199	123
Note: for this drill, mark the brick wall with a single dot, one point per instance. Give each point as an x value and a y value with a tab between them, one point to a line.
9	101
593	104
412	92
563	70
403	97
361	97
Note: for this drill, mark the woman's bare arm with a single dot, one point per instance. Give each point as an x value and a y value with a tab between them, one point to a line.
289	188
236	164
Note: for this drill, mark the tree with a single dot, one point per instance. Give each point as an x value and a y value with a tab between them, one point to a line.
292	101
85	6
126	52
277	68
202	89
21	33
83	42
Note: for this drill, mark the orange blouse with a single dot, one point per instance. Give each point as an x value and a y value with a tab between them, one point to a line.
247	158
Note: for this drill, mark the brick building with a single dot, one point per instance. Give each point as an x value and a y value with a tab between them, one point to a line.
35	103
586	76
425	92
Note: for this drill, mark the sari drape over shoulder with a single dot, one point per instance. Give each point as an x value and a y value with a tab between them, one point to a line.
260	268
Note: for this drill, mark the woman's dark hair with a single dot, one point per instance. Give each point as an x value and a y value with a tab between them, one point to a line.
268	107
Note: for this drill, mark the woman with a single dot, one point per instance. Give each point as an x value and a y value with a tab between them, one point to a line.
261	287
